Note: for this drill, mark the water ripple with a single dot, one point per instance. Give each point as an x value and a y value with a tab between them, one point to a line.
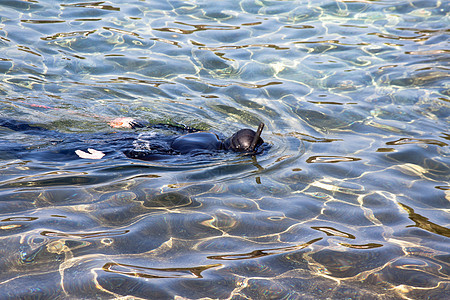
349	199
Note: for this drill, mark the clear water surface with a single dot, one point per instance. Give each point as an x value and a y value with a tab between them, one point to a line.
351	200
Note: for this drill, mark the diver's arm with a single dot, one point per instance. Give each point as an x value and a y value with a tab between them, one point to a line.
127	122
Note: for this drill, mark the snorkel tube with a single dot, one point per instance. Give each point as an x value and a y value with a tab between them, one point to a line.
256	137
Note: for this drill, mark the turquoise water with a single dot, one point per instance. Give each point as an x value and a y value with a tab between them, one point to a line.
350	201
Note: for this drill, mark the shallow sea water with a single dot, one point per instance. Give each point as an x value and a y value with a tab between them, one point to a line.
351	201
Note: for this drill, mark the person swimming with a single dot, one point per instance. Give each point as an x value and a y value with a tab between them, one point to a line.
154	145
191	141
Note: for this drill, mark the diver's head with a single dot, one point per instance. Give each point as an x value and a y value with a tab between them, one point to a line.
245	140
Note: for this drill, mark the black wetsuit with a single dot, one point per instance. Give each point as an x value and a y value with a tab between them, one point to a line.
164	142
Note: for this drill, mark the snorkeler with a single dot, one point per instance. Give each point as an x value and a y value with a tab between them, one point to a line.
151	145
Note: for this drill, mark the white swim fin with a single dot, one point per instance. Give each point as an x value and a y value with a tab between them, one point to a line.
93	154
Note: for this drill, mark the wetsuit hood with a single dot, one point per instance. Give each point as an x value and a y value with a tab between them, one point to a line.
245	140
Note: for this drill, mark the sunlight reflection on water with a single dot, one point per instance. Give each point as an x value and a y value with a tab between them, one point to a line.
349	200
